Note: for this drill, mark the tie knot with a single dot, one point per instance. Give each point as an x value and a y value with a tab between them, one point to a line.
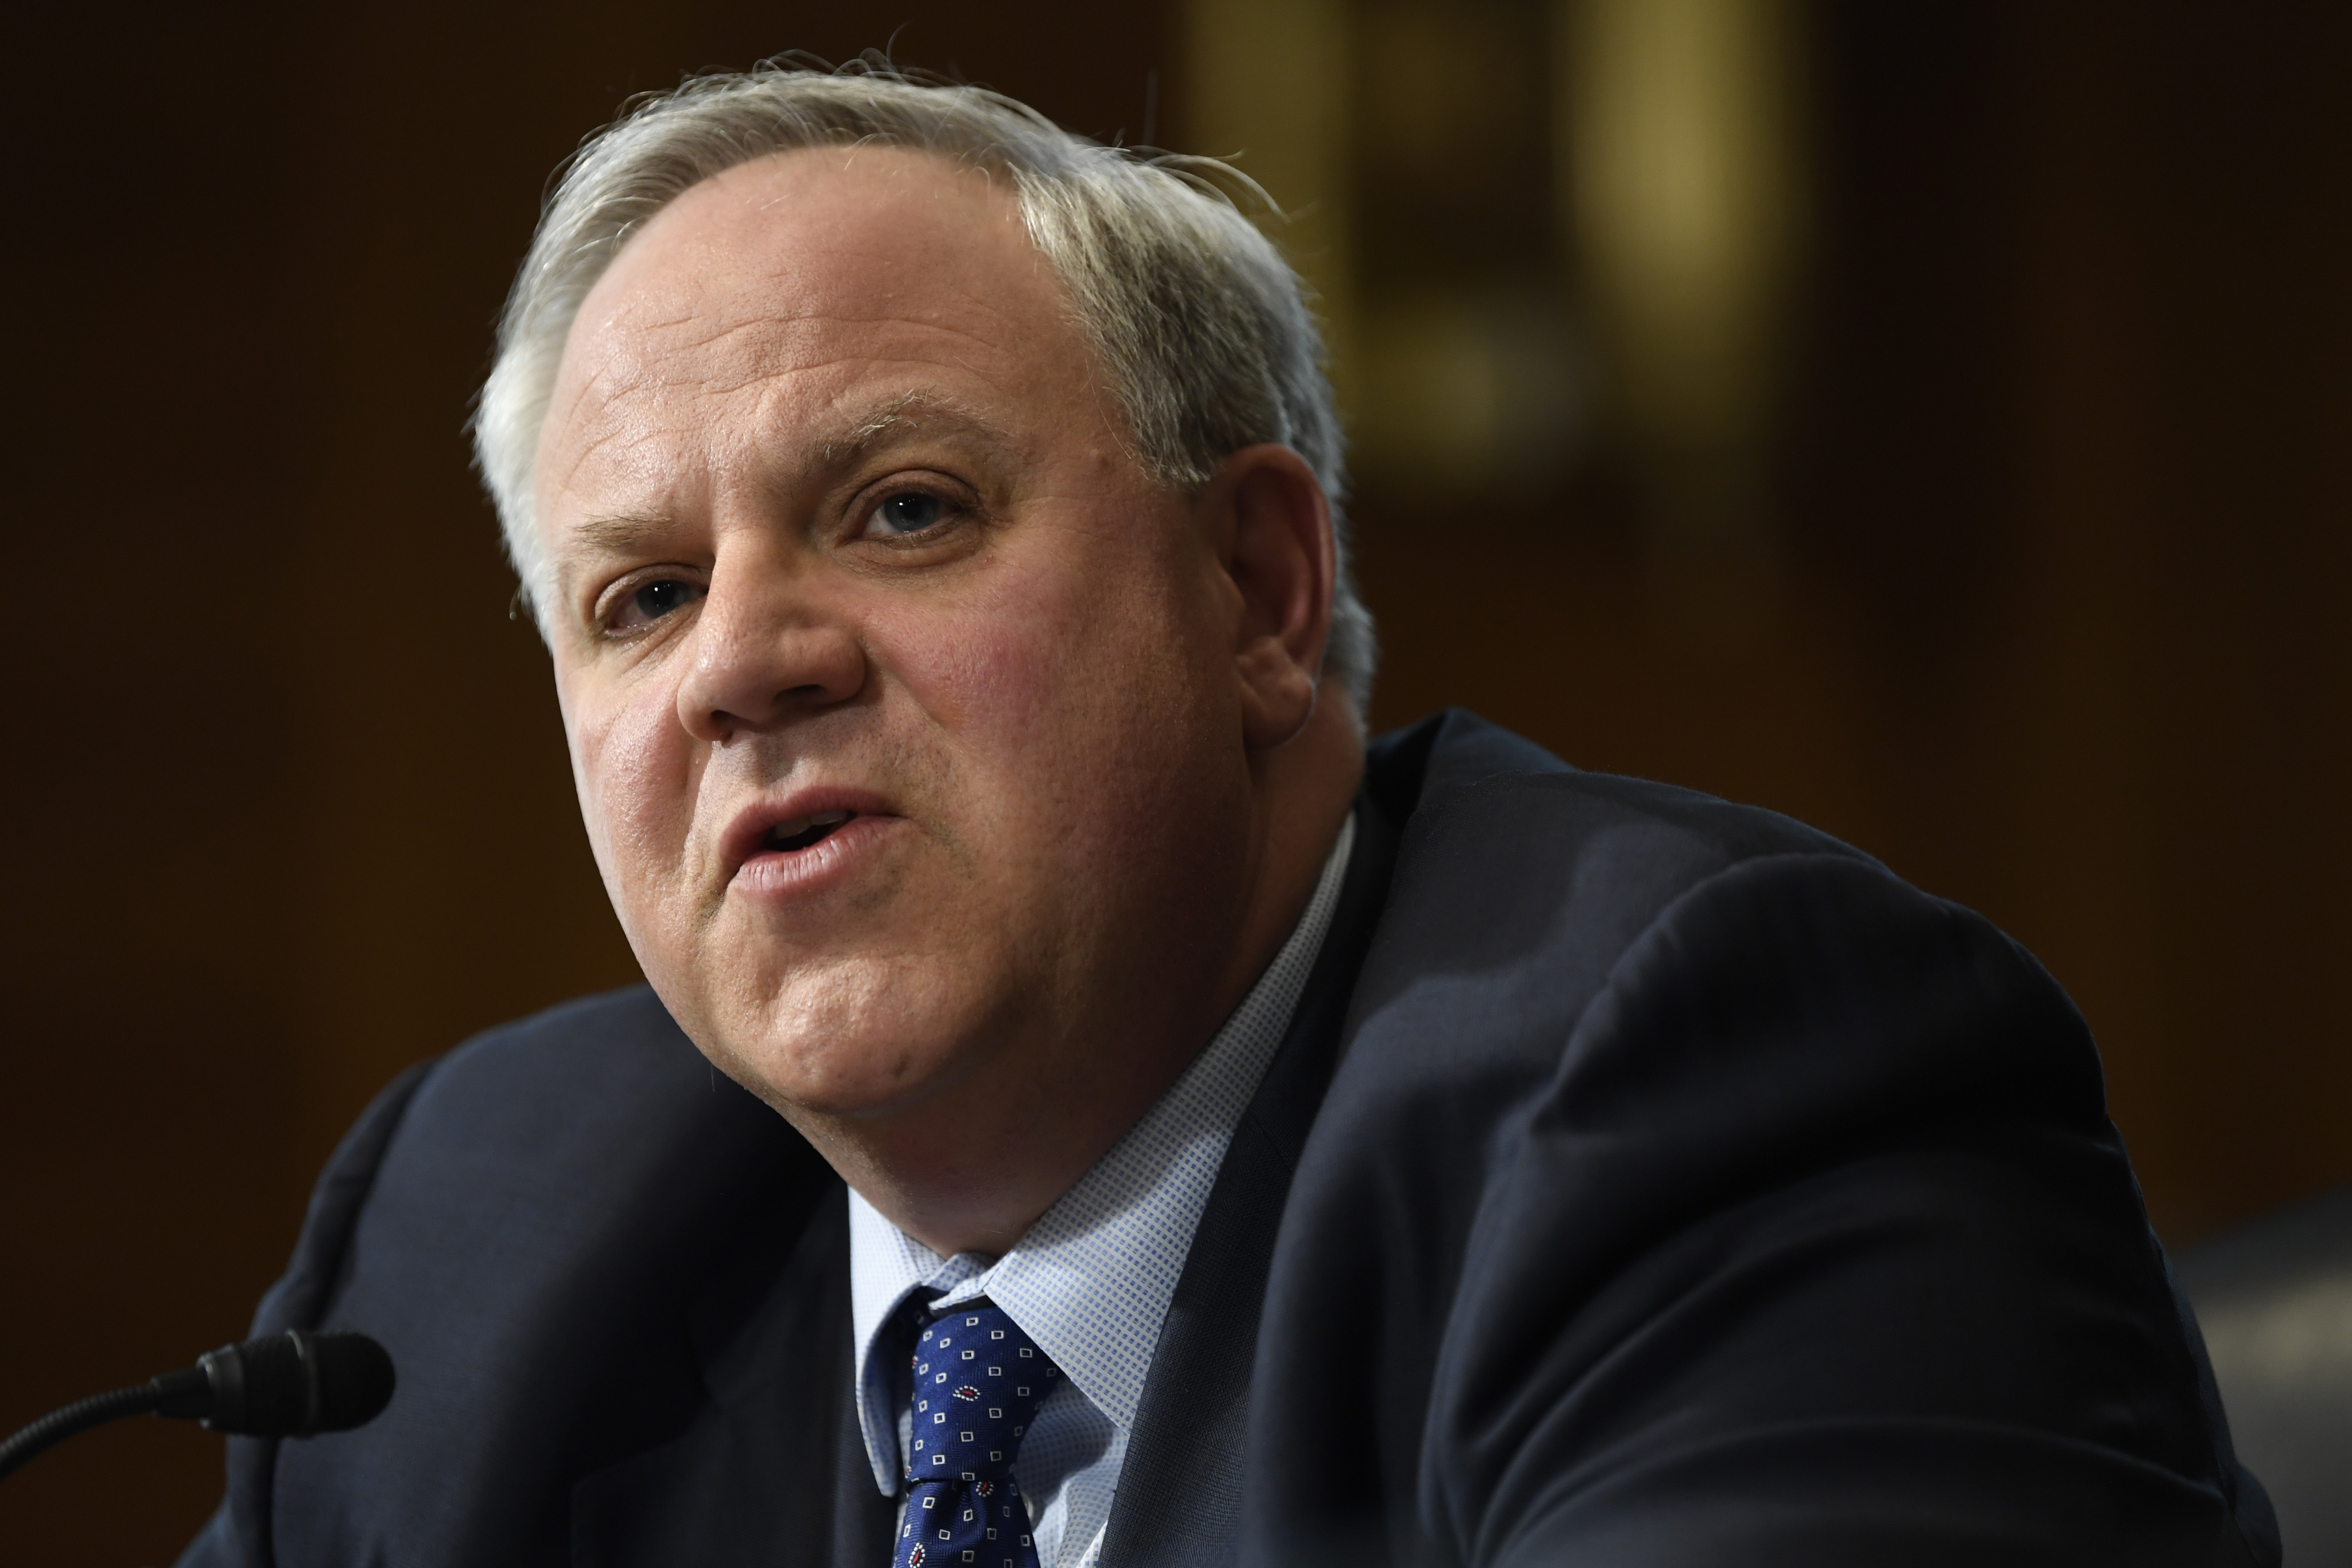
978	1382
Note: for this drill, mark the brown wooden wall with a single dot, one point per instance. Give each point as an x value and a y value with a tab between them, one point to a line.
2051	618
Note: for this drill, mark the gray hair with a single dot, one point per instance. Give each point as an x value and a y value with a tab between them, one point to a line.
1201	329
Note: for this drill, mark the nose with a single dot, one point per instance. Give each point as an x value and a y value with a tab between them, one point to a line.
766	651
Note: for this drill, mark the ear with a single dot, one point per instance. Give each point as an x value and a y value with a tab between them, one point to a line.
1270	526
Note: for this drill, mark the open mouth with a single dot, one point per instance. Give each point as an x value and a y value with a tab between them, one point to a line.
802	832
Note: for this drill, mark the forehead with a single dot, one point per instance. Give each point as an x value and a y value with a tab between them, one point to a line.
800	288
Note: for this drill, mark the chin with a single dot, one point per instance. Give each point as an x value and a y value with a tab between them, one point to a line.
850	1052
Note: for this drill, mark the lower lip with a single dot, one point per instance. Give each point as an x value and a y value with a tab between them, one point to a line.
779	874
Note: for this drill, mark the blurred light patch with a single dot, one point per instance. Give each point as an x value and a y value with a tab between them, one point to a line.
2289	1340
1539	230
2283	1357
1679	169
1409	144
1461	388
1270	90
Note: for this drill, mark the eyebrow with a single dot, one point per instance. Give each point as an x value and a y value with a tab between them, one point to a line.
612	533
904	416
908	413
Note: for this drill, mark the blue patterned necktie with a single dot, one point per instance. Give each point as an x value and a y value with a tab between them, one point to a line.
978	1383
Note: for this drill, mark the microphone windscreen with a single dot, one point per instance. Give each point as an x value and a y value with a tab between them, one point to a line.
294	1383
355	1381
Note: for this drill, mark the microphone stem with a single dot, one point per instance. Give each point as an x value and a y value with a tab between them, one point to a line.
59	1425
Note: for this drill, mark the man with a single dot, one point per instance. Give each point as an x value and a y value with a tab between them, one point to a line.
1172	1135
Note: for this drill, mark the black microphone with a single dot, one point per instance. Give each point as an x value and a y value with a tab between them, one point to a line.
281	1386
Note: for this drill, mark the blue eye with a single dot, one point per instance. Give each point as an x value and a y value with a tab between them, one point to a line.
655	600
910	511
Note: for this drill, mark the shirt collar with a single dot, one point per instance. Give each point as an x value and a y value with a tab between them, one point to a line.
1091	1280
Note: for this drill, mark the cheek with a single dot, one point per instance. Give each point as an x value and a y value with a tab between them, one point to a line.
1036	654
1081	684
634	773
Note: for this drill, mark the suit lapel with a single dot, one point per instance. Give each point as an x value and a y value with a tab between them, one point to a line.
1179	1498
773	1470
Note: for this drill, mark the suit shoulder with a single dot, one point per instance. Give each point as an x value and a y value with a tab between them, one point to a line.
1550	928
1483	790
480	1095
1509	856
581	1063
583	1102
563	1228
1687	1107
1576	815
587	1111
620	1031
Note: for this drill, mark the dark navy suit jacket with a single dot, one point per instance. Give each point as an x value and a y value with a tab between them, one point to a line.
1645	1179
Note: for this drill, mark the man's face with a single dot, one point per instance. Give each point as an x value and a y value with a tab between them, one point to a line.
901	699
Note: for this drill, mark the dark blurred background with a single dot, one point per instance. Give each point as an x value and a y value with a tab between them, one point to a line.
1934	421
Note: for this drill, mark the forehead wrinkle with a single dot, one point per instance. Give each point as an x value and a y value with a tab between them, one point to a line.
598	432
819	319
621	437
641	375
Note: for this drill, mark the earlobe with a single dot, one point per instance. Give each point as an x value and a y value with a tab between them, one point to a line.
1276	706
1277	551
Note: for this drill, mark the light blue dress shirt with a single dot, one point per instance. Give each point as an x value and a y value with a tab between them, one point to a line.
1091	1280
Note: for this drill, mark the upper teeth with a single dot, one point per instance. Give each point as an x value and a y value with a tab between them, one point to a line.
800	825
